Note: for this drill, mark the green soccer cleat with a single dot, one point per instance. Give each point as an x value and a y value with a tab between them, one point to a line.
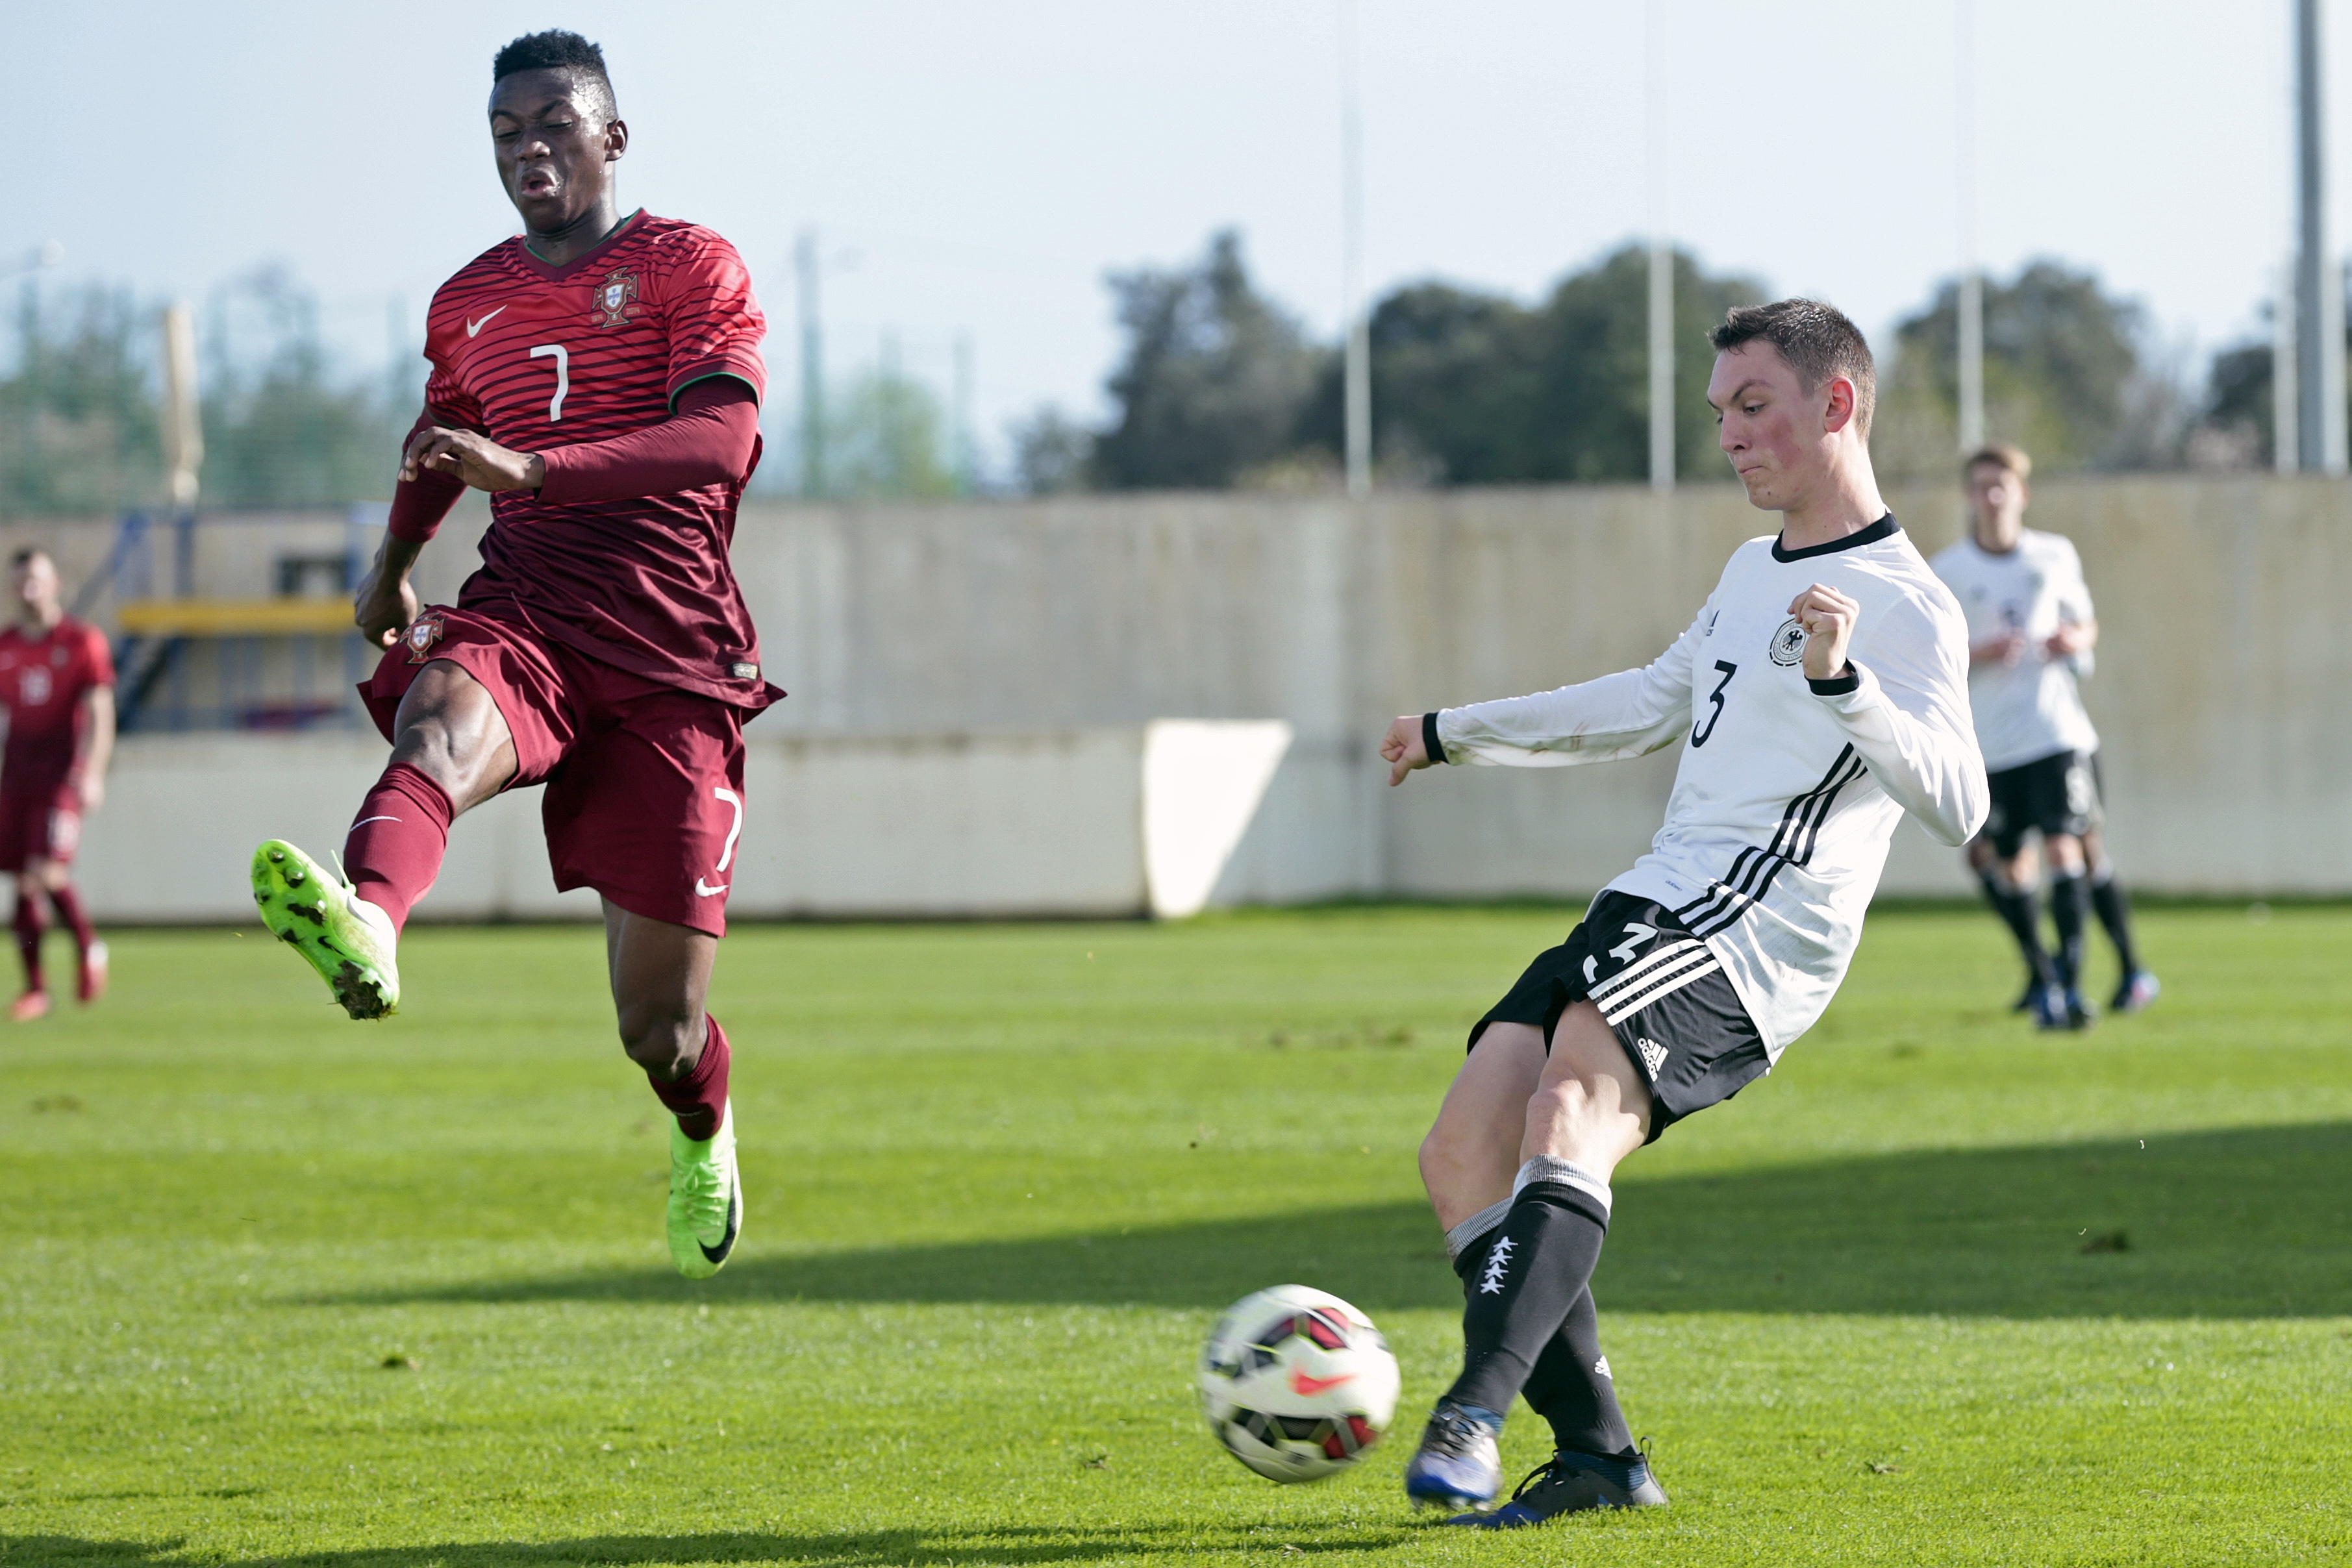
706	1198
347	939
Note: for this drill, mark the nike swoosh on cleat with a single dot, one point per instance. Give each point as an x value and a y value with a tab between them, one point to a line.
703	889
1302	1384
726	1243
474	329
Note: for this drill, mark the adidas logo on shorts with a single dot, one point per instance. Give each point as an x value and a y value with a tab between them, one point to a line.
1601	1368
1654	1055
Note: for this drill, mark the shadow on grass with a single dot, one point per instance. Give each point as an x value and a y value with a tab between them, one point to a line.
2247	1223
849	1549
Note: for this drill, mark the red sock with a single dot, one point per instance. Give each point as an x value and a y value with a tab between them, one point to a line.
700	1099
68	902
395	846
31	925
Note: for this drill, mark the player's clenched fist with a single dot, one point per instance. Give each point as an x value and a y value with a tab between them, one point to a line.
1402	749
1828	618
473	457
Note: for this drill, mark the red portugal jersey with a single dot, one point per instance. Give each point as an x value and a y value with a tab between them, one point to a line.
538	357
42	682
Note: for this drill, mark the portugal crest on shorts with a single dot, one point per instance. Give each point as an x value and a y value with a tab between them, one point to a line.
615	296
420	637
1789	643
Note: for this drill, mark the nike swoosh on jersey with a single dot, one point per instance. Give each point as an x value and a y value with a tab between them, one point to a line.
474	329
1301	1384
703	889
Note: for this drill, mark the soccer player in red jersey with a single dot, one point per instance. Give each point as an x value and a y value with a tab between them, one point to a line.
600	375
57	684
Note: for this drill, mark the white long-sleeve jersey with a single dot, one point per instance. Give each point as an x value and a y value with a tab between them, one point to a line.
2031	710
1788	794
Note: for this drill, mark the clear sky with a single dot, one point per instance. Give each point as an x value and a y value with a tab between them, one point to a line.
977	168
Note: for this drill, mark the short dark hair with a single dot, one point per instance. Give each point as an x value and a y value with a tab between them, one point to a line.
2000	455
1818	341
557	51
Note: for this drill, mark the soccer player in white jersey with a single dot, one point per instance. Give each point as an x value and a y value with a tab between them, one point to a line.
2031	632
1821	693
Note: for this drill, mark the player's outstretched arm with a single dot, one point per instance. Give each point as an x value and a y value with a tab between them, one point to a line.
1630	713
1905	711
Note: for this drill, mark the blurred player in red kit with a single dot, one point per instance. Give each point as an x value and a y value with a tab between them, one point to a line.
57	684
600	374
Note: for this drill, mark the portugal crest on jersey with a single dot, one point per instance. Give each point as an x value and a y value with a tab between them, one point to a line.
1789	641
615	296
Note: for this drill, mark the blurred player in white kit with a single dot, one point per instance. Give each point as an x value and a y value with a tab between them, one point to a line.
2031	635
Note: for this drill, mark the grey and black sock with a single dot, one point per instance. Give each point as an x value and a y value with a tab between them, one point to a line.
2070	902
2115	914
1570	1386
2019	911
1527	1278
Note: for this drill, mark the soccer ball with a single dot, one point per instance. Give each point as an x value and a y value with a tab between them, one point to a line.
1296	1383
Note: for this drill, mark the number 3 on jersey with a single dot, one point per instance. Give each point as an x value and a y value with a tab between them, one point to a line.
1699	736
563	378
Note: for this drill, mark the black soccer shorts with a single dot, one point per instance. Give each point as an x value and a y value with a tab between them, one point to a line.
2059	793
1663	994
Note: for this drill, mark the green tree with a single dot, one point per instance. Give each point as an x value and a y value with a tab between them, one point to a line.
1212	379
2068	376
281	427
1593	409
1052	452
1474	388
2237	419
885	440
78	424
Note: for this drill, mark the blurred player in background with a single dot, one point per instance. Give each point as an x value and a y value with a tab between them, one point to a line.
2031	634
1821	694
57	684
600	374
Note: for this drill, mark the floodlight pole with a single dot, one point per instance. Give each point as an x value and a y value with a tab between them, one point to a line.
1661	363
804	269
1358	366
1972	293
2286	418
183	430
2319	281
967	456
1662	271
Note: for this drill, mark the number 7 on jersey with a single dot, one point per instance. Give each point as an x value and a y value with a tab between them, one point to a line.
563	378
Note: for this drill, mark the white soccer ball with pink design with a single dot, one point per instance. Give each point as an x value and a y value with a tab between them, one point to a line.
1296	1383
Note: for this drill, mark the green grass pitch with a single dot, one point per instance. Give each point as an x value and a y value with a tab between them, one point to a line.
282	1289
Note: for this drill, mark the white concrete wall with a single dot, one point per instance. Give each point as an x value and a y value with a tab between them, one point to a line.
1108	821
2221	692
953	668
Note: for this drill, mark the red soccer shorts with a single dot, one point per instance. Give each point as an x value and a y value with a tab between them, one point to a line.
645	782
39	824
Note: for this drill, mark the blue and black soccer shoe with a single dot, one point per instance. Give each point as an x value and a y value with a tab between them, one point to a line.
2137	990
2050	1011
1571	1483
1456	1465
